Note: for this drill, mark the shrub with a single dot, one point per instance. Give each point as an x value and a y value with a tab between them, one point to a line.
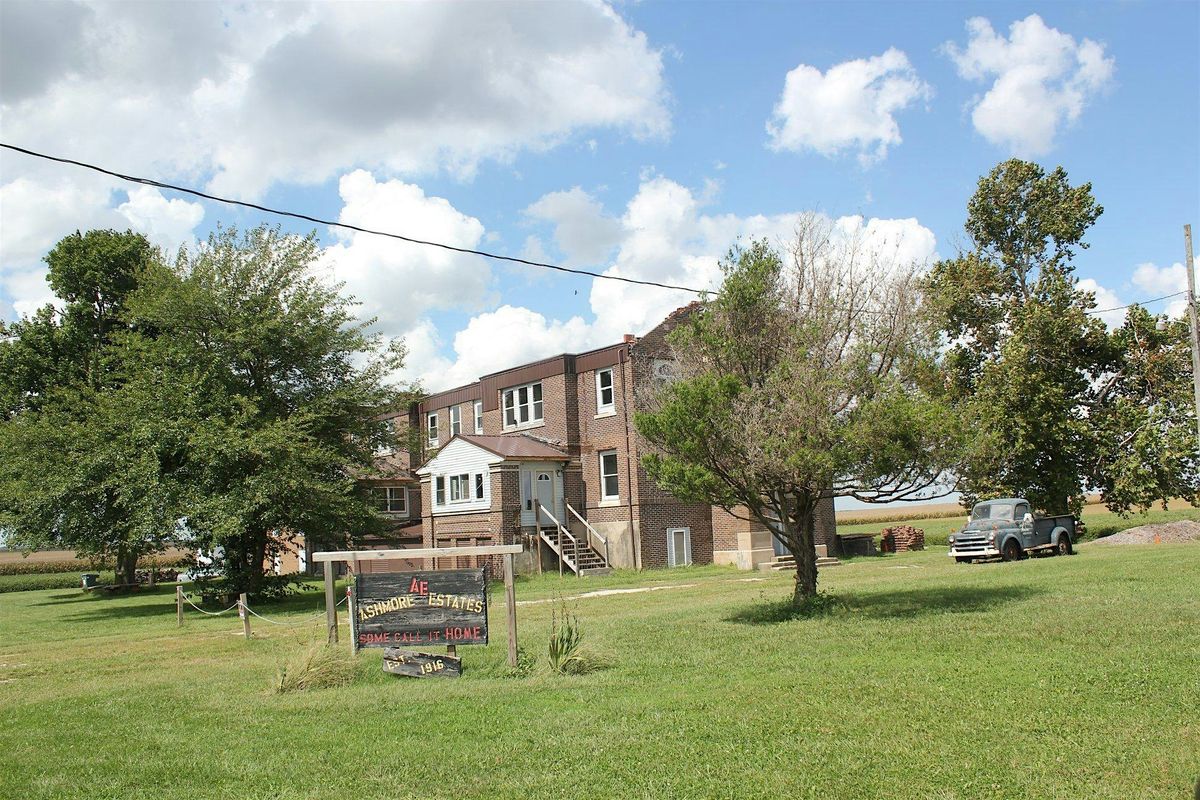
55	580
567	655
320	666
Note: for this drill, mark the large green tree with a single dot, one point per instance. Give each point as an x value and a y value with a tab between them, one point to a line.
802	379
1023	351
82	466
288	392
1144	417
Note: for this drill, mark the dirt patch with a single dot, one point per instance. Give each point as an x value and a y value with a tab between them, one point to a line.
1165	532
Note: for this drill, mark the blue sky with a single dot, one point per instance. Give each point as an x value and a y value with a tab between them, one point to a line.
636	138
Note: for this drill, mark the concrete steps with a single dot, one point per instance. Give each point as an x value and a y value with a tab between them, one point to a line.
788	563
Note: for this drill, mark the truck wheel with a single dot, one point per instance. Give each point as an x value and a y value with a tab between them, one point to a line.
1012	551
1063	548
963	559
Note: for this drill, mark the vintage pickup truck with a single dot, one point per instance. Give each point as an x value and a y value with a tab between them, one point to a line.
1006	528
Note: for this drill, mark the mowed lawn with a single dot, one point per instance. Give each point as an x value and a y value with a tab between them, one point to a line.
1054	677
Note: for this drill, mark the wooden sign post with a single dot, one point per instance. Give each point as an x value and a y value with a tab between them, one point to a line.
368	628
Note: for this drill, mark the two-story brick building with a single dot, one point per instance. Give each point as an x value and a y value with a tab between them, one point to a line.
558	435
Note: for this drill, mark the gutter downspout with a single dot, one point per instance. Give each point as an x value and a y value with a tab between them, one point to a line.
634	532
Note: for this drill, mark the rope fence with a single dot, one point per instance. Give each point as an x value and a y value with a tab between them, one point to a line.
244	611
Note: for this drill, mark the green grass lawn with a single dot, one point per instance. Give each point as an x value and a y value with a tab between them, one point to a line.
1056	677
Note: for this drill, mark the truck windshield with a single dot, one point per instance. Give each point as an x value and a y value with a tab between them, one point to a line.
993	511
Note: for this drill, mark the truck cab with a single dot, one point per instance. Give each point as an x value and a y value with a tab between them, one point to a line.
1006	528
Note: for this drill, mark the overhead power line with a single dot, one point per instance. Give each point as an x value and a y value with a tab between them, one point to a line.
411	240
318	221
1139	303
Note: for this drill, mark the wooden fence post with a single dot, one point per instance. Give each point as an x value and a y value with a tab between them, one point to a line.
510	598
330	604
179	604
244	613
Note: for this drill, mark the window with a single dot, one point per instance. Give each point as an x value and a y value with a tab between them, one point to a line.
460	488
527	490
478	486
440	490
679	547
389	446
392	499
432	428
609	485
523	405
604	390
455	420
479	416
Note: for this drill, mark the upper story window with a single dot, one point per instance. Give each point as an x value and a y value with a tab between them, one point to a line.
432	428
479	416
455	420
522	405
604	391
392	499
610	487
463	488
388	447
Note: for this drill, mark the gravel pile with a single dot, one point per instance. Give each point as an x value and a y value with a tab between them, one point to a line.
1167	533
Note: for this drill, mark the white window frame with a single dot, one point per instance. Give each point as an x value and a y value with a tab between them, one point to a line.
672	556
388	496
532	409
479	488
604	476
455	421
439	490
478	416
431	428
461	488
610	406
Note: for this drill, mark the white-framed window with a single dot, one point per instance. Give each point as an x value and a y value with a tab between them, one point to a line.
431	427
392	499
610	486
439	493
479	416
478	485
522	405
455	420
605	395
460	488
679	547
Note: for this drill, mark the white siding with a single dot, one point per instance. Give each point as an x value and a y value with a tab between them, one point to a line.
461	458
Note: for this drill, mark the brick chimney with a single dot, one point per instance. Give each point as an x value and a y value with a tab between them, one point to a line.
630	338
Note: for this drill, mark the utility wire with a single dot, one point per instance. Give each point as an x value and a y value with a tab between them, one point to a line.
347	226
1139	303
409	239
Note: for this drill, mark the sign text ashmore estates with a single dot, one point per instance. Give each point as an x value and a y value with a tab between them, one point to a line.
407	609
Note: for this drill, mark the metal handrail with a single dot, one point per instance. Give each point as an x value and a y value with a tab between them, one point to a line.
591	532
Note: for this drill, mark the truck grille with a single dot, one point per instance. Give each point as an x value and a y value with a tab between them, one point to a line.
970	542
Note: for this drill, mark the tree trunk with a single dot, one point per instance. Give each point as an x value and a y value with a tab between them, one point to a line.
257	555
126	565
806	557
796	517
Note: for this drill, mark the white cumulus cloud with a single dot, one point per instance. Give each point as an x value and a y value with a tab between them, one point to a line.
664	235
1042	79
397	281
852	106
253	94
1157	281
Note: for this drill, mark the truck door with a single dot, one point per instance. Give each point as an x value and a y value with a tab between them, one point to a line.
1028	535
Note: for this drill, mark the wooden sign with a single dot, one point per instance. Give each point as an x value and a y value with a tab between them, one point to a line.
421	665
411	609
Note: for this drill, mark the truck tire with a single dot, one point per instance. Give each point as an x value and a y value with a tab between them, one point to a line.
963	559
1063	548
1011	551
